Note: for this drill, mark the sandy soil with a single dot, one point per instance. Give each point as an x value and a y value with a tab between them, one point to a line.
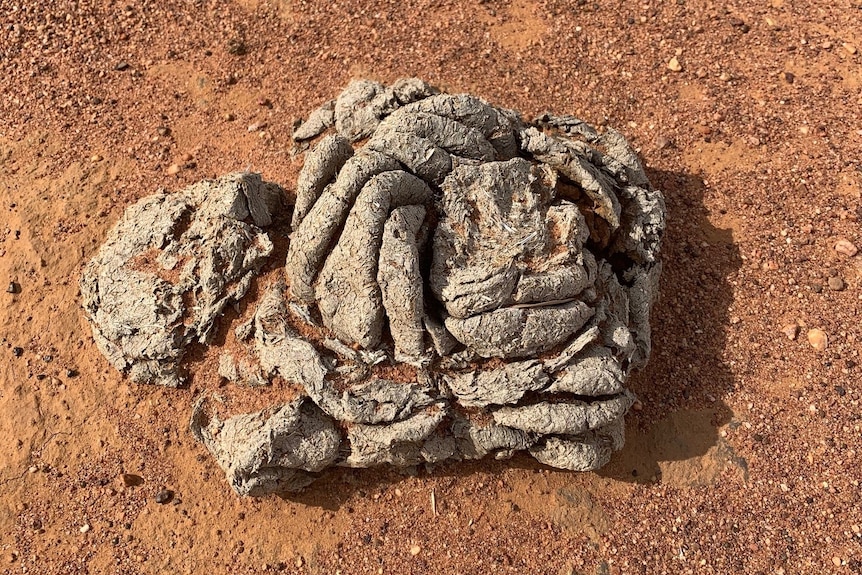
745	457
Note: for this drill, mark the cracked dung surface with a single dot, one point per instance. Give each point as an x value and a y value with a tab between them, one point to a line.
487	280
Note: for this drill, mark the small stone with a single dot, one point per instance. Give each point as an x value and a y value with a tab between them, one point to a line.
724	77
265	102
187	157
173	169
674	65
840	391
85	528
637	405
662	142
818	339
849	48
229	117
71	372
827	45
95	158
789	77
415	550
847	248
256	126
163	130
791	331
836	561
17	351
13	288
836	283
122	66
164	496
47	358
131	480
299	561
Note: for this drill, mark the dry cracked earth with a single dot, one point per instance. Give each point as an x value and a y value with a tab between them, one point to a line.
744	452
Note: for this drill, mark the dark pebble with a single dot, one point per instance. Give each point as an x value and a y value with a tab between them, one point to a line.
47	358
840	390
132	480
122	66
71	373
13	288
41	376
164	496
17	351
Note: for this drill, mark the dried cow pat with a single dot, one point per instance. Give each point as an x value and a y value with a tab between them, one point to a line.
170	266
459	283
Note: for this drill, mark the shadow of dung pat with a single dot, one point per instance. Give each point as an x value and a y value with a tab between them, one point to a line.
676	435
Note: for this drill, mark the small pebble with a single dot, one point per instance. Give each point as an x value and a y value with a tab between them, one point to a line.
846	248
674	65
850	48
187	157
661	142
229	117
164	496
13	288
121	66
298	561
163	130
818	340
85	528
256	126
131	480
72	372
415	550
791	331
17	351
789	77
836	283
173	169
836	561
95	158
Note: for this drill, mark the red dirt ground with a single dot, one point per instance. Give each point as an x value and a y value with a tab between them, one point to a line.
745	457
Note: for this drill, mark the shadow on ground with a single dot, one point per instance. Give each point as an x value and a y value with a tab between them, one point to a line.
675	437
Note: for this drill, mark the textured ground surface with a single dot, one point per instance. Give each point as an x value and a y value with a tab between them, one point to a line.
746	453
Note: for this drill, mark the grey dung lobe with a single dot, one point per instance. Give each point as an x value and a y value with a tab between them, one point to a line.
458	283
274	450
170	266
